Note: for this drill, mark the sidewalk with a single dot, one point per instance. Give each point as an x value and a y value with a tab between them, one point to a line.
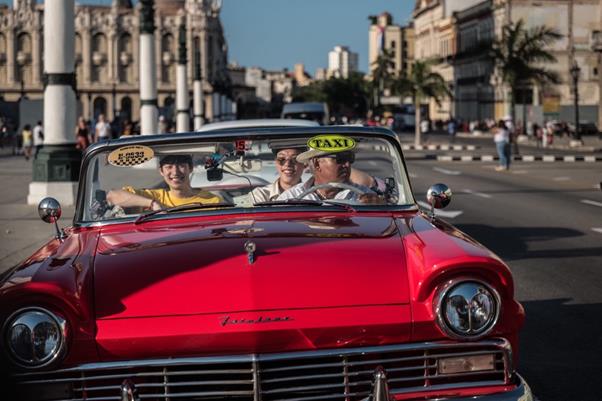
592	144
21	229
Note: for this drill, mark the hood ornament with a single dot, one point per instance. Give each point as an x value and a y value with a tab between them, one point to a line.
250	248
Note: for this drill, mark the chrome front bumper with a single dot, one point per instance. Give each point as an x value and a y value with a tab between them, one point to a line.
522	392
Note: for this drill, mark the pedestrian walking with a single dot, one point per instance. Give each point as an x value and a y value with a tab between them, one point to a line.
451	129
27	141
82	134
102	130
38	138
502	145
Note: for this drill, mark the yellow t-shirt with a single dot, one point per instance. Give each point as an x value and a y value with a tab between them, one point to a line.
162	196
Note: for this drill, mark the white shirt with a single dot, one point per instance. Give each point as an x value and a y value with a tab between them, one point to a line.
501	135
345	194
37	138
266	193
103	129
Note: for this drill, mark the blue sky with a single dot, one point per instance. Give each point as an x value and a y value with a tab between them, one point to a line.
275	34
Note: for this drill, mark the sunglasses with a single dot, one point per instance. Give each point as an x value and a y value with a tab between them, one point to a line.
283	161
342	158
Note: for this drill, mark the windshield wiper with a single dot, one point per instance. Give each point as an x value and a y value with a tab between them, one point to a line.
182	208
305	202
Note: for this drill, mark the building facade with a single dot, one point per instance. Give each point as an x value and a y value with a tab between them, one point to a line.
398	41
576	21
107	53
435	42
342	62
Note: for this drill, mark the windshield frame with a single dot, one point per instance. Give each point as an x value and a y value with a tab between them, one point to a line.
230	134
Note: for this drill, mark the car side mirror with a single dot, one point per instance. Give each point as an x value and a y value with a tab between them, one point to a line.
49	210
438	196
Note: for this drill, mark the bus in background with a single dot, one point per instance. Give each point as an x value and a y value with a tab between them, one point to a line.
307	111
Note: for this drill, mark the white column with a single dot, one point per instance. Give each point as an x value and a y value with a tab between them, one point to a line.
59	58
182	97
149	116
198	104
59	107
182	100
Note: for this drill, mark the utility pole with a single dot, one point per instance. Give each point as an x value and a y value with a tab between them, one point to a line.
198	93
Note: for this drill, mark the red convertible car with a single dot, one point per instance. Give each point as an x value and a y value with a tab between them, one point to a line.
326	282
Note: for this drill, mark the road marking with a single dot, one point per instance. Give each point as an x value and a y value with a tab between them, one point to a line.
598	230
519	171
372	163
471	192
449	214
412	175
445	171
562	178
591	202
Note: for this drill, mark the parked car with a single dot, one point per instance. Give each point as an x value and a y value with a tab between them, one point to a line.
347	291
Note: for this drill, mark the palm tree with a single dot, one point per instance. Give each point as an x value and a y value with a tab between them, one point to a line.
519	57
381	74
422	84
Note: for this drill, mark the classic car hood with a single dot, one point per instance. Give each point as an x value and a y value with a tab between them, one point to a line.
191	267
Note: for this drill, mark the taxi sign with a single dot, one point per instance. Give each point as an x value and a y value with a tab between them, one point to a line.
128	156
331	143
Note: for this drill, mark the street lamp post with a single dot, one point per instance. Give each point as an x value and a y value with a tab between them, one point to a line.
575	71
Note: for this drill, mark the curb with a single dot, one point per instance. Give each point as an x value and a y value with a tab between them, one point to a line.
439	147
525	158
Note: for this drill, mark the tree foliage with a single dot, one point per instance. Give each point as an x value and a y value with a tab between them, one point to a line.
344	96
422	84
521	54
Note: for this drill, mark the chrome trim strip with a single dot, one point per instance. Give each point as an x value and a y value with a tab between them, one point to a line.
249	358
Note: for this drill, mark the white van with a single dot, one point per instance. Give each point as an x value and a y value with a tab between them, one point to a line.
307	111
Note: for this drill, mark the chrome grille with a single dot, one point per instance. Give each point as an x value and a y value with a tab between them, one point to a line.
342	374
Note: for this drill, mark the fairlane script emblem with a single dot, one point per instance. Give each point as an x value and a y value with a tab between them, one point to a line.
227	320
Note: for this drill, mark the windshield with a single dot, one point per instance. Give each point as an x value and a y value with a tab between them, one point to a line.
200	175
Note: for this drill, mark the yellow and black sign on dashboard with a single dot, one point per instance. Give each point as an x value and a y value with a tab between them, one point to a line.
331	143
128	156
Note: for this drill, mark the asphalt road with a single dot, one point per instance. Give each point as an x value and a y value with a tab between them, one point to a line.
545	221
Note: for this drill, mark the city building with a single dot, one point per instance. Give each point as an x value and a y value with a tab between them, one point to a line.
106	47
398	41
342	62
576	21
301	76
435	42
479	92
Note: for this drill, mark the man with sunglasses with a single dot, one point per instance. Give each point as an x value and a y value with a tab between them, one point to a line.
331	178
289	173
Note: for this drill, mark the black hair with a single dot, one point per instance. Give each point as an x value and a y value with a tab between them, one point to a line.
175	159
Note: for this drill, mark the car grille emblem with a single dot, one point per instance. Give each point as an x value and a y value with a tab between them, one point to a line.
250	248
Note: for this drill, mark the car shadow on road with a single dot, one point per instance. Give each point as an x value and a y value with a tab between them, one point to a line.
512	243
560	357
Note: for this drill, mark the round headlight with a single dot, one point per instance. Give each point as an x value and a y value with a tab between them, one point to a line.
467	309
35	337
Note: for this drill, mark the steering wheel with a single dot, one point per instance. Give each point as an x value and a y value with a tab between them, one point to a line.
339	185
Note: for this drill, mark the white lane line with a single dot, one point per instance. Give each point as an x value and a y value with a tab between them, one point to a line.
591	202
448	214
482	195
412	175
519	171
372	163
597	229
445	171
561	178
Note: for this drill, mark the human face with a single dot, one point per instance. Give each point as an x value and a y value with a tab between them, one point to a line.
288	168
176	175
333	168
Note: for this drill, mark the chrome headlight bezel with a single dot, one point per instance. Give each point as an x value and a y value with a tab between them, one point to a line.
21	317
440	306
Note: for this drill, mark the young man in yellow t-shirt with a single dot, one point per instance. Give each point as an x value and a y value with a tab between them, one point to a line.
175	170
